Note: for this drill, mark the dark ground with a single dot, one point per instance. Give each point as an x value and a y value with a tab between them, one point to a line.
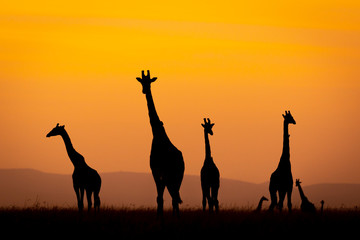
126	223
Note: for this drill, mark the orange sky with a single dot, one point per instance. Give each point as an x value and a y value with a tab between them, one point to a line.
241	64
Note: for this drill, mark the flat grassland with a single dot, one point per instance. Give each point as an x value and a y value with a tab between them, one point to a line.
131	223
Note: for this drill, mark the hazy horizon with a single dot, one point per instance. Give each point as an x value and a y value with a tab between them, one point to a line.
185	174
25	188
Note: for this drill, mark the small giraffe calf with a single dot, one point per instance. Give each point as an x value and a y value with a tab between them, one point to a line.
263	198
306	205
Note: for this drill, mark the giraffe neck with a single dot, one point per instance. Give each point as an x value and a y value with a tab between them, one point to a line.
154	118
260	204
286	145
285	156
76	158
157	126
302	195
207	146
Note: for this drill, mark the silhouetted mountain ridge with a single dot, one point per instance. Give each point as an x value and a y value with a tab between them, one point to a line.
26	187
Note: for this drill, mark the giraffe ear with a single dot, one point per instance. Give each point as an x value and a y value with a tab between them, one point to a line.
153	79
139	79
203	125
212	124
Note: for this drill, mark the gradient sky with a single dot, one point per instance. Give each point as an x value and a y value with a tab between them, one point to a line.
242	64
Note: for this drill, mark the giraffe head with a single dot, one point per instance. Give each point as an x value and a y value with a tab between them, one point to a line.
145	81
289	118
208	126
56	131
297	182
263	198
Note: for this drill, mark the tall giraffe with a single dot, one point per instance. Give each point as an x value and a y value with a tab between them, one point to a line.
306	205
166	161
281	179
210	176
84	177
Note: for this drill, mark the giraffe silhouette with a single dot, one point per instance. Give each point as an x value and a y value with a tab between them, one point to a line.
322	206
263	198
306	205
166	161
281	179
210	176
84	177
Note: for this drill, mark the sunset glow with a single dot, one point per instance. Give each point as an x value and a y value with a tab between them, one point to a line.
242	64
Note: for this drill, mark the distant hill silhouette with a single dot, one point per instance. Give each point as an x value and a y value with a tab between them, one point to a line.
27	187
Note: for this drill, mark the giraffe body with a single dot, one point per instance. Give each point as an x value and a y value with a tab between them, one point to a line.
84	177
281	180
166	161
210	183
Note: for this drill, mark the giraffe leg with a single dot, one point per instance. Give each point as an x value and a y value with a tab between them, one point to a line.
281	199
289	200
214	195
81	202
273	197
175	195
206	195
88	196
79	196
175	205
160	203
204	202
96	200
96	192
210	200
160	186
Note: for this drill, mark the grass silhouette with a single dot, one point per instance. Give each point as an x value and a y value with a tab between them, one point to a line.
136	223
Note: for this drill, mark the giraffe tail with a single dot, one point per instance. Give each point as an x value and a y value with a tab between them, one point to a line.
178	199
